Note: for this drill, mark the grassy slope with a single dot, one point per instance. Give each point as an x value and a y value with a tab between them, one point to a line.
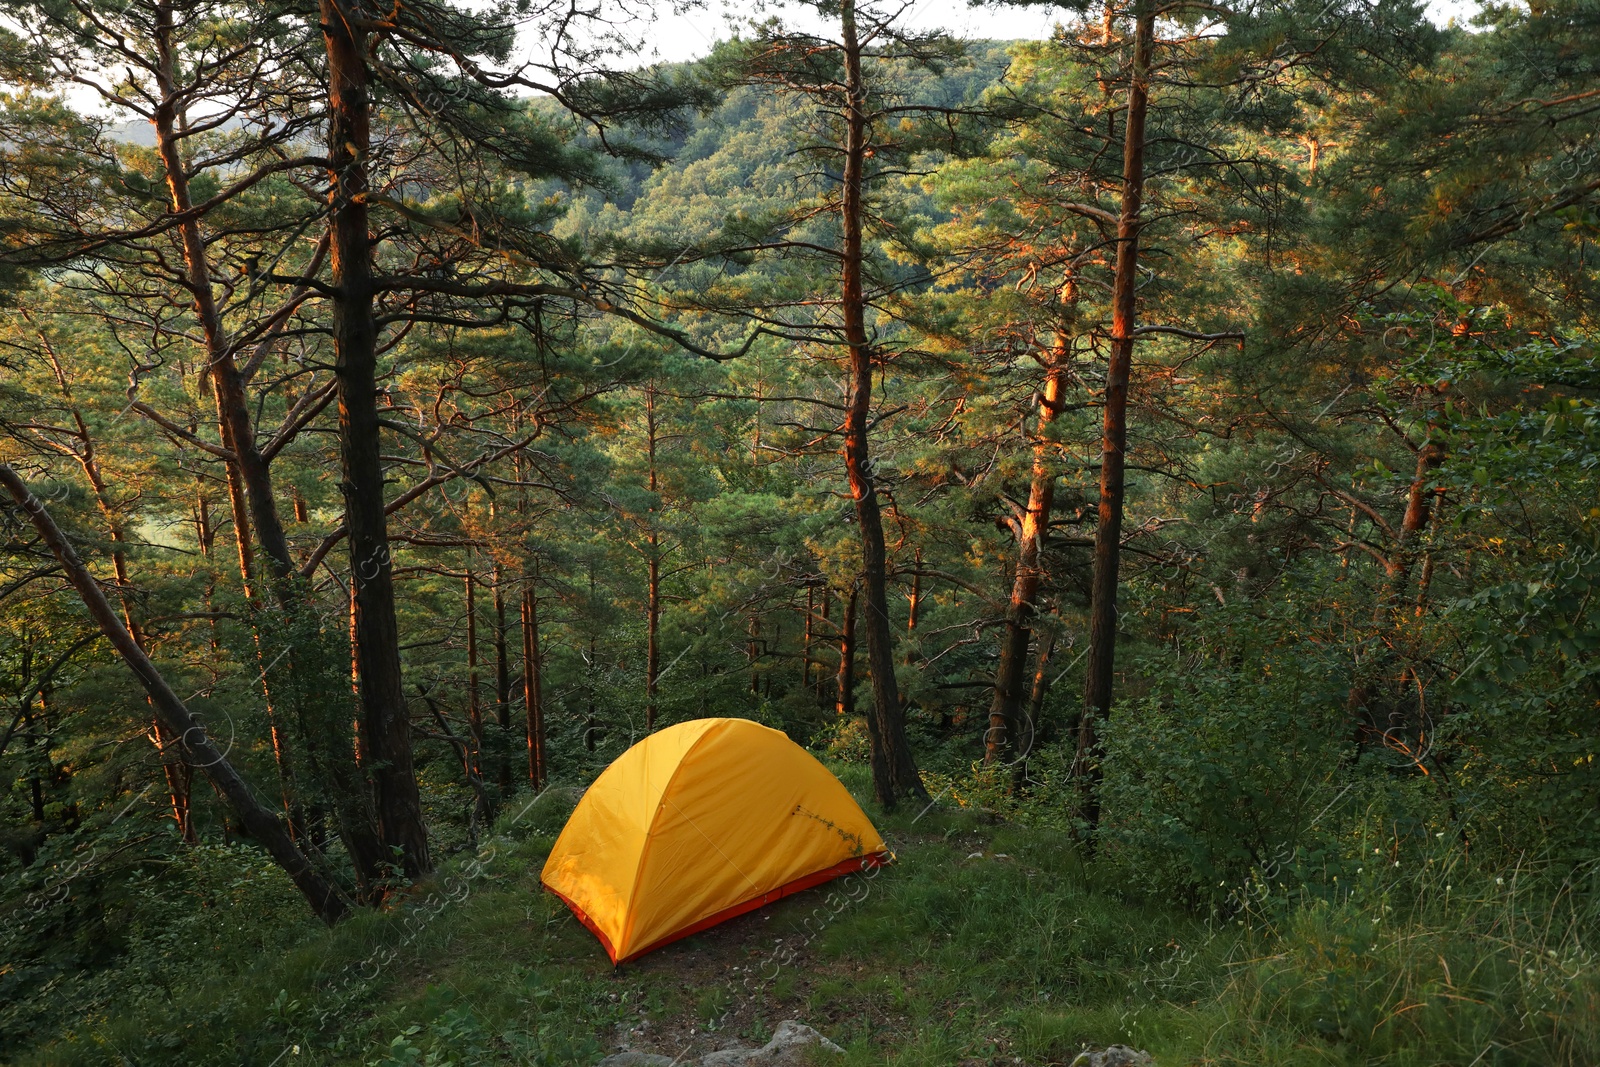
985	943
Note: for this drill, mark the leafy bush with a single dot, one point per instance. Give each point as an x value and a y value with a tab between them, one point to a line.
1224	774
845	741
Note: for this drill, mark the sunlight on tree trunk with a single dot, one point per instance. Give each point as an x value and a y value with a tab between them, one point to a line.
1101	662
894	771
1011	733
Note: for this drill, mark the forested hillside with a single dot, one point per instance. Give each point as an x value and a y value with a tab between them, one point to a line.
1156	468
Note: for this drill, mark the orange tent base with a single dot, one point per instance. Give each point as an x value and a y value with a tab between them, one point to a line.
827	874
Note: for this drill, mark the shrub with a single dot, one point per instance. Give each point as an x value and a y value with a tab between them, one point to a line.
1227	772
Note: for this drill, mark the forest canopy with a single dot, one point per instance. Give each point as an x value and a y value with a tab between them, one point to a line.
1175	441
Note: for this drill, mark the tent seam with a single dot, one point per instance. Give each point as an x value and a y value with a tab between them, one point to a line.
644	853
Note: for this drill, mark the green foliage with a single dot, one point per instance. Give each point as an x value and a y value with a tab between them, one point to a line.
844	741
1233	767
453	1036
982	939
1350	800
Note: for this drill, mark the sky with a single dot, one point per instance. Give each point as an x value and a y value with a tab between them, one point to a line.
689	35
675	36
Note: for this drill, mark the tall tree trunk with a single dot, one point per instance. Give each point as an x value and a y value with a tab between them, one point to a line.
777	643
1101	659
244	546
205	536
1401	558
1420	499
1011	733
329	753
256	818
1425	579
385	719
502	661
652	655
533	685
179	775
914	601
594	680
846	677
474	705
41	756
233	412
752	652
594	676
1375	707
805	641
894	771
1041	679
355	674
1349	543
243	542
502	671
822	678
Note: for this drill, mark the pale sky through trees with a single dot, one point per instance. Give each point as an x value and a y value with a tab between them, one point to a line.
676	36
690	35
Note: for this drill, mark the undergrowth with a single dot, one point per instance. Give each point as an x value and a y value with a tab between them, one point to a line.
990	940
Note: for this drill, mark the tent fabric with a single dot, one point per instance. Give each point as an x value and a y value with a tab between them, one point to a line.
698	823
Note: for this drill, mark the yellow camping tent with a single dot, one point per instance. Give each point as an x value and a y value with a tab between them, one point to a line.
698	823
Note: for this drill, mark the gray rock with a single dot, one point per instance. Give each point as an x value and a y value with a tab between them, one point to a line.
1114	1056
788	1047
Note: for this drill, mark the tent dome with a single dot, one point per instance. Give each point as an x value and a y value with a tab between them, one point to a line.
700	822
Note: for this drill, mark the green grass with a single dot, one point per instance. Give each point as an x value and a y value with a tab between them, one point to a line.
983	943
1445	966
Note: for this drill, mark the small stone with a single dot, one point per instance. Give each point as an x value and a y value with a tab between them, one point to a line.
788	1046
1114	1056
639	1059
786	1049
